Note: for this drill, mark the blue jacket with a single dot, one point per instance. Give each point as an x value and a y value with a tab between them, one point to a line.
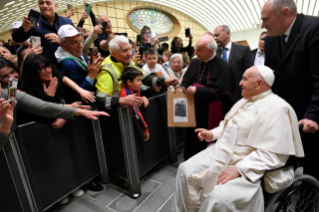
44	28
75	72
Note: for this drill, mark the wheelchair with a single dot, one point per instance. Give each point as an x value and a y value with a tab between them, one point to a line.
301	196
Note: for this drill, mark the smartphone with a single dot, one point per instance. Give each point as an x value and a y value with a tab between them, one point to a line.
88	9
162	39
70	6
138	40
187	32
80	29
35	40
34	17
141	50
12	90
93	54
104	25
123	33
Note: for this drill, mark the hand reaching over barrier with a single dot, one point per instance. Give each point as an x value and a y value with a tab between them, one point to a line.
6	114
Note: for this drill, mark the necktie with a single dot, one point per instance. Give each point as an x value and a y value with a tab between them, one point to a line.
224	54
261	54
283	42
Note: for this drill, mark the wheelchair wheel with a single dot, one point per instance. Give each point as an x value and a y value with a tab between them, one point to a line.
301	196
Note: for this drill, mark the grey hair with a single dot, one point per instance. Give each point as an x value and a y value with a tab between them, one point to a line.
62	40
114	43
279	5
225	28
98	19
6	49
173	56
53	1
212	45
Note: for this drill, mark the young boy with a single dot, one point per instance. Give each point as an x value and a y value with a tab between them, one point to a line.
152	66
132	79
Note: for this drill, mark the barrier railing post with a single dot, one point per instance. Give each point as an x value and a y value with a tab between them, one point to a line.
29	202
100	151
129	148
172	145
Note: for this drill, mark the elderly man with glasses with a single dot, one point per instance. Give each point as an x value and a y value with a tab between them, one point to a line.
74	63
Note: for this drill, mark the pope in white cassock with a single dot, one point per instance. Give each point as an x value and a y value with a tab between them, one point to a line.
258	134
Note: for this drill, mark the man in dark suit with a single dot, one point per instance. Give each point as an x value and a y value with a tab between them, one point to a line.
238	56
258	55
292	51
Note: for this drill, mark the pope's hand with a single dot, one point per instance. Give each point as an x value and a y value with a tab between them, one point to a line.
228	174
204	134
309	126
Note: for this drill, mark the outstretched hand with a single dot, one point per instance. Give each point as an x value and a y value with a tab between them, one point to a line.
90	114
204	134
309	126
6	114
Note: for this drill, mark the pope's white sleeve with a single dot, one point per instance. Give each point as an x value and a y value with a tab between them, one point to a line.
254	165
217	131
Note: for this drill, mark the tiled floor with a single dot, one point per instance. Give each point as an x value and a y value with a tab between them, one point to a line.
157	195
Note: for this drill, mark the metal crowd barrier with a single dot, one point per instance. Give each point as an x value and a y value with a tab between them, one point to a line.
41	165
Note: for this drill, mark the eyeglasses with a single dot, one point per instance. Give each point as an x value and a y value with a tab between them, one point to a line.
44	68
147	33
75	43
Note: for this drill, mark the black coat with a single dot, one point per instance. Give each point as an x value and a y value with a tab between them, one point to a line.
297	70
239	60
253	55
297	78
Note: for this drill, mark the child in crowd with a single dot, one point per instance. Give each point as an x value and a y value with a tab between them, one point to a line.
132	79
151	65
160	60
166	56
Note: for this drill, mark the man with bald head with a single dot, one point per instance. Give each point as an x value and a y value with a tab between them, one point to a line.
238	56
258	134
210	79
292	51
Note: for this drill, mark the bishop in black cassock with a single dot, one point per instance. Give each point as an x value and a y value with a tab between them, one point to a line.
210	79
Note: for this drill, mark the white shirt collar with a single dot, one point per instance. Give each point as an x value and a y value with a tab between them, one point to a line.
228	46
289	29
258	50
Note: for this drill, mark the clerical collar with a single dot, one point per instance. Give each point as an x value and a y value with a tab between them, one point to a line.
289	30
260	96
210	58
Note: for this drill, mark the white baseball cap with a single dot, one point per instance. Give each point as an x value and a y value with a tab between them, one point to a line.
16	24
67	31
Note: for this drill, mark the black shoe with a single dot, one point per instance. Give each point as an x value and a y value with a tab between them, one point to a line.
93	186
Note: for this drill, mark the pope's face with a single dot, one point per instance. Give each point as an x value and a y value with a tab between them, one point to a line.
249	84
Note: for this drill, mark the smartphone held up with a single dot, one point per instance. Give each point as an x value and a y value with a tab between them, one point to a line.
12	90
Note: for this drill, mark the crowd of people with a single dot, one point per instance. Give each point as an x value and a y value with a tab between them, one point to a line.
252	99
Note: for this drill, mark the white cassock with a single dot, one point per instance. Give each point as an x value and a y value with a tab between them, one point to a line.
256	135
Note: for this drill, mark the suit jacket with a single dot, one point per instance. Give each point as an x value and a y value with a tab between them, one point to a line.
253	55
239	60
297	68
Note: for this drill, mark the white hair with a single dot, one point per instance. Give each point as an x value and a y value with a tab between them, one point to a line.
173	56
114	43
212	45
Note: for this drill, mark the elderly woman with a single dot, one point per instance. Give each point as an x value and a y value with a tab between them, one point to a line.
175	67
